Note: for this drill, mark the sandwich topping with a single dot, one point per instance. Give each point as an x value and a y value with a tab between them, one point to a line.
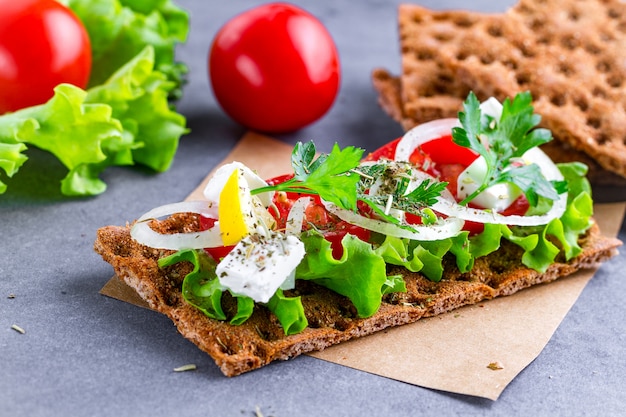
449	188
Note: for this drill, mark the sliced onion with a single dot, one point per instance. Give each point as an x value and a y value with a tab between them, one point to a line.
211	238
421	134
295	218
484	216
435	129
550	171
443	229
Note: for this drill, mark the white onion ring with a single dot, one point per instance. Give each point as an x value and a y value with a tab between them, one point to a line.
421	134
211	238
443	229
450	207
435	129
295	218
484	216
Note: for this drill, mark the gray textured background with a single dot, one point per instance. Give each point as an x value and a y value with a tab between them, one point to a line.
84	354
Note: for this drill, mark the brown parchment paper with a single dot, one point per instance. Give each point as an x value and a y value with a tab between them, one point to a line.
475	350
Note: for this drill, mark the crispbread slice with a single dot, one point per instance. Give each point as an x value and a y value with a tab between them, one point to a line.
332	318
571	55
389	98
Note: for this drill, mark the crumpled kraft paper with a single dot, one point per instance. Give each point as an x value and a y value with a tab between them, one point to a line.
475	350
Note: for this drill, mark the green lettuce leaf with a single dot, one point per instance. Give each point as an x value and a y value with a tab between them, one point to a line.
122	122
542	244
71	129
201	288
120	29
138	96
427	257
461	249
11	159
395	251
359	275
245	308
289	311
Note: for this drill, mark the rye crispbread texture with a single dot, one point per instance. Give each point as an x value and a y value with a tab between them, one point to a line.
332	318
571	55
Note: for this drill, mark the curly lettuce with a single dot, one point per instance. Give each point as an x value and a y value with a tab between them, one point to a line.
359	275
126	116
120	29
201	288
125	121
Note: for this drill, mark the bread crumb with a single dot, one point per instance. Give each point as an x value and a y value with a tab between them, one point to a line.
495	366
18	328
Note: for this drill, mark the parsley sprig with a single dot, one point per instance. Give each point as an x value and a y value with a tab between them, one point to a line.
503	142
331	176
396	179
337	177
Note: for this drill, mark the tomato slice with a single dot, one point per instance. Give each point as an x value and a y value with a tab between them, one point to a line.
386	151
446	160
217	253
444	151
441	151
332	228
339	230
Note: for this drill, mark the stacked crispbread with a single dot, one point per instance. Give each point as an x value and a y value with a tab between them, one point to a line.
571	55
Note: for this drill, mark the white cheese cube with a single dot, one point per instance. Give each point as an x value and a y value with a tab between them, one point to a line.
497	197
259	265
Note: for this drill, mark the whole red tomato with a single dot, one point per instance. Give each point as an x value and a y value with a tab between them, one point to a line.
274	68
42	44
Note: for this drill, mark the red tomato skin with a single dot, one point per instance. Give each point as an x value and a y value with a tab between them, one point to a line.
386	151
441	151
274	68
445	151
42	44
445	160
219	252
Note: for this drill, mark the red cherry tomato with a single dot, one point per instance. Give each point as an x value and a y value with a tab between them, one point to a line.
42	44
274	68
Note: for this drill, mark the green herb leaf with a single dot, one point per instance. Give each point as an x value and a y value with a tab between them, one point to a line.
392	194
303	160
503	142
330	175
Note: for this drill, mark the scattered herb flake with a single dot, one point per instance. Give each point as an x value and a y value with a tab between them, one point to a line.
183	368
